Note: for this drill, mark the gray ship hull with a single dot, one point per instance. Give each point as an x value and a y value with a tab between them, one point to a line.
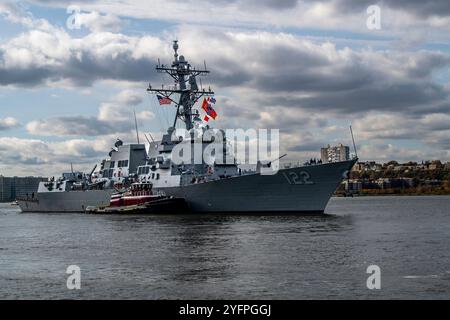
297	190
304	189
71	201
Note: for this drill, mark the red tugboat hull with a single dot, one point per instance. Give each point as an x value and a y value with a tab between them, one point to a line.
139	199
121	201
163	205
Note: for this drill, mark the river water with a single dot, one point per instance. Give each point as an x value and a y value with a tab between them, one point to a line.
232	257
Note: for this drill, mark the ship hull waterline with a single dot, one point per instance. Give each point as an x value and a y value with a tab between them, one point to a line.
71	201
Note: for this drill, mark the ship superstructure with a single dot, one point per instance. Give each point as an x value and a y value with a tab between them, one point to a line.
75	191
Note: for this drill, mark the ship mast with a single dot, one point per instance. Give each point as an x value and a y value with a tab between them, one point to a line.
184	77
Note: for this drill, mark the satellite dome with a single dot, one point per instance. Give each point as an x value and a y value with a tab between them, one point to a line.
118	143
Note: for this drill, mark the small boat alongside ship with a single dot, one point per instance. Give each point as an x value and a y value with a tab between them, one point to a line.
139	193
140	199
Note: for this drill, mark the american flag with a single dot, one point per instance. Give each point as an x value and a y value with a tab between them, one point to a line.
163	100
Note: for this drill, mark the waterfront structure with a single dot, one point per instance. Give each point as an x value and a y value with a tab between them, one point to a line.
435	165
367	166
352	185
335	154
447	166
14	187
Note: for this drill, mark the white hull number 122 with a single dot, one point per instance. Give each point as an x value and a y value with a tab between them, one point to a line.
301	177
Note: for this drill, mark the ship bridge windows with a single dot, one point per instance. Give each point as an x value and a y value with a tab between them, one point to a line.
122	164
143	170
112	164
108	173
154	176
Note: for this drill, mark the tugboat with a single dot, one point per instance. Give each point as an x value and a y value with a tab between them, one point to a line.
139	199
139	193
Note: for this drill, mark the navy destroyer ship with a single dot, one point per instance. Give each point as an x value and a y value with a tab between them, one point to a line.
220	185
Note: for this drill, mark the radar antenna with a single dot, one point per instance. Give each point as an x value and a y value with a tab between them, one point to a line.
186	87
353	140
136	127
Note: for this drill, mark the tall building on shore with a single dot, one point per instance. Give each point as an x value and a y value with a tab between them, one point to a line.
335	153
6	189
13	187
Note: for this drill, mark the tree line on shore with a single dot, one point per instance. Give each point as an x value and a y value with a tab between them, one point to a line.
429	177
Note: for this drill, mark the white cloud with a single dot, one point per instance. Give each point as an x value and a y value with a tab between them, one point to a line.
97	22
114	116
39	57
384	152
429	133
272	80
13	13
398	17
21	156
280	68
400	126
36	157
8	123
145	115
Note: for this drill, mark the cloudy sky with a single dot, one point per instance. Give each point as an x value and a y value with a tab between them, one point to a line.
69	81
